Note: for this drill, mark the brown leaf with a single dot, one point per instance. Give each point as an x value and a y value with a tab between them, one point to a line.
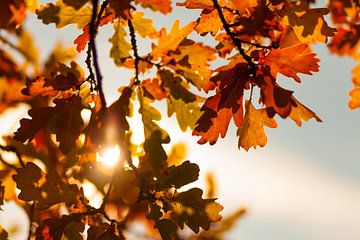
46	189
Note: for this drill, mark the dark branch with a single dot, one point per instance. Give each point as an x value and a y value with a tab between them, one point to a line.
14	150
135	49
237	42
93	32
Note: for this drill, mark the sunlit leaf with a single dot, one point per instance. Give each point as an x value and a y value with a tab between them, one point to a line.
252	133
62	15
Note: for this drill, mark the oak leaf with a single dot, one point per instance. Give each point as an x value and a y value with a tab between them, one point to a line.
180	100
225	105
354	98
169	42
191	209
46	189
75	4
84	38
144	26
300	113
192	61
12	13
121	48
178	176
251	133
62	15
163	6
308	23
292	60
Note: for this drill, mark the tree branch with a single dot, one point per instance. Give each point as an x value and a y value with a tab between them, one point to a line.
14	150
93	32
135	49
237	42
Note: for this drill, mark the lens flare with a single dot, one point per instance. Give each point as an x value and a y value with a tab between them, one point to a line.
110	157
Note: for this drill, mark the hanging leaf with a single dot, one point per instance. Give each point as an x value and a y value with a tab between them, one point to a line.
251	133
45	189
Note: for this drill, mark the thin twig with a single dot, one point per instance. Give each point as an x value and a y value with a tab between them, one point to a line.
93	32
135	49
237	42
9	165
14	150
157	65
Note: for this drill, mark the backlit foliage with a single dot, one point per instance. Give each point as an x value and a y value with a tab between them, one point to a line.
59	151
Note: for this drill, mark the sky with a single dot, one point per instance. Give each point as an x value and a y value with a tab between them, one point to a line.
303	185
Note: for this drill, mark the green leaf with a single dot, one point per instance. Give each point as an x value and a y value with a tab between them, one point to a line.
178	176
121	48
180	101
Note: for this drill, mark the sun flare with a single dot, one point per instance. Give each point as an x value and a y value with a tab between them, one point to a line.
110	157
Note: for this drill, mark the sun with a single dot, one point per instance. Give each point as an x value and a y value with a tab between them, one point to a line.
110	157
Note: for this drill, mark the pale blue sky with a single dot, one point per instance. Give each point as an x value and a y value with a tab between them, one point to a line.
305	183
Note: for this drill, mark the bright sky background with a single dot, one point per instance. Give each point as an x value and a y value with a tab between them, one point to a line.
305	183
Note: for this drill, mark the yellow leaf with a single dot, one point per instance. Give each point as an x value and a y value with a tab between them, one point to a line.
300	113
63	15
252	133
177	154
27	46
144	26
171	41
121	48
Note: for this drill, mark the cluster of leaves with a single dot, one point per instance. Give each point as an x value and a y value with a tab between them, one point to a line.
346	42
58	149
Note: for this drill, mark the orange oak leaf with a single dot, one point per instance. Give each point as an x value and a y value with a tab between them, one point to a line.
12	13
252	133
191	60
197	4
346	41
169	42
292	60
225	105
355	92
300	113
275	98
308	23
354	98
163	6
84	38
209	21
152	89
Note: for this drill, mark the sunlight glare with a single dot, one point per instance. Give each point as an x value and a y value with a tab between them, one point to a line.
110	157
